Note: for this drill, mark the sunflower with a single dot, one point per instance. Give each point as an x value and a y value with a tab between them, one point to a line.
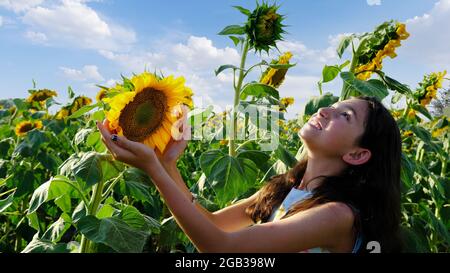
25	126
76	105
286	102
41	95
101	94
429	86
146	114
264	27
383	42
275	77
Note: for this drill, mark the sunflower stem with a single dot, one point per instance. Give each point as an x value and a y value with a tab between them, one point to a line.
237	93
93	206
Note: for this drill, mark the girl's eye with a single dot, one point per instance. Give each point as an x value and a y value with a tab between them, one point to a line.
346	115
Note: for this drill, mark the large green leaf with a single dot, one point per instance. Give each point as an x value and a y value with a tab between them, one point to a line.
54	188
89	168
373	87
44	246
57	229
258	157
135	219
343	44
5	203
329	73
397	86
228	176
259	90
317	102
285	156
233	30
83	110
113	232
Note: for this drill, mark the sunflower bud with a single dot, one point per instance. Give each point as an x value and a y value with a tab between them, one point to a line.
264	27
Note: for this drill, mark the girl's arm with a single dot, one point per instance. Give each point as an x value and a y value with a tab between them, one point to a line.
327	226
230	218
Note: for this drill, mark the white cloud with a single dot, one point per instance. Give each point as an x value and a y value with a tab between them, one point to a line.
1	21
374	2
36	37
20	5
88	72
428	43
73	23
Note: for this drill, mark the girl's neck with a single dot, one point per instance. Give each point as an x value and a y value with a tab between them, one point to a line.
316	169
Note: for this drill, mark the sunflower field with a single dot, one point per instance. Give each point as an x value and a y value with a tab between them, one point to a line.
62	191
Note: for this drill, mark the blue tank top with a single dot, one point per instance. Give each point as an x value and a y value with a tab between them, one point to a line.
296	195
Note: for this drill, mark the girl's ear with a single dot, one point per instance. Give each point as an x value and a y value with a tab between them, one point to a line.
357	157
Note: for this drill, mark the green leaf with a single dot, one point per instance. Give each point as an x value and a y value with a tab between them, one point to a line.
135	219
57	229
70	92
43	246
281	66
229	176
49	160
372	87
235	40
89	168
397	86
113	232
94	140
285	156
317	102
83	110
396	98
259	90
343	44
243	10
50	190
224	67
258	157
329	73
421	109
79	212
233	30
81	136
6	203
137	190
105	211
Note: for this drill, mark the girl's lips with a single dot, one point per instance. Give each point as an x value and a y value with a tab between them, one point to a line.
315	124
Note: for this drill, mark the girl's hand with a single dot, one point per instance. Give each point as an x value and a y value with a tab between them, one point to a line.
181	133
132	153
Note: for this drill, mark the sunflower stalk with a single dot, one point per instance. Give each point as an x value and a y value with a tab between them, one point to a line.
93	206
237	92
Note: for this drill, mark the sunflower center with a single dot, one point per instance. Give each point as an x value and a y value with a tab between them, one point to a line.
141	117
26	127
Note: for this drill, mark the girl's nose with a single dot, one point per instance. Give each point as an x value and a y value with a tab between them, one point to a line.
324	112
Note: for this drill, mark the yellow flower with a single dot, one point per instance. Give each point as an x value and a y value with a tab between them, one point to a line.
411	114
275	77
286	102
63	113
25	126
101	94
439	132
146	114
223	142
41	95
401	32
407	133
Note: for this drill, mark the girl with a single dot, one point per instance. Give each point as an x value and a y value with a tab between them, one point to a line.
343	193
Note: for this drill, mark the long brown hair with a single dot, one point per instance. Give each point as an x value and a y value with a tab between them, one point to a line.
372	188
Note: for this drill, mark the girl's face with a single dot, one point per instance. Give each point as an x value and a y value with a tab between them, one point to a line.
333	131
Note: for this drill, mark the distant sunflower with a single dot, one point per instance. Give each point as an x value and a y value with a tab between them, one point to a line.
76	105
25	126
41	95
264	27
146	114
101	94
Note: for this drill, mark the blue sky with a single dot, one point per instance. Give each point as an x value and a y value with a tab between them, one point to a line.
80	43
